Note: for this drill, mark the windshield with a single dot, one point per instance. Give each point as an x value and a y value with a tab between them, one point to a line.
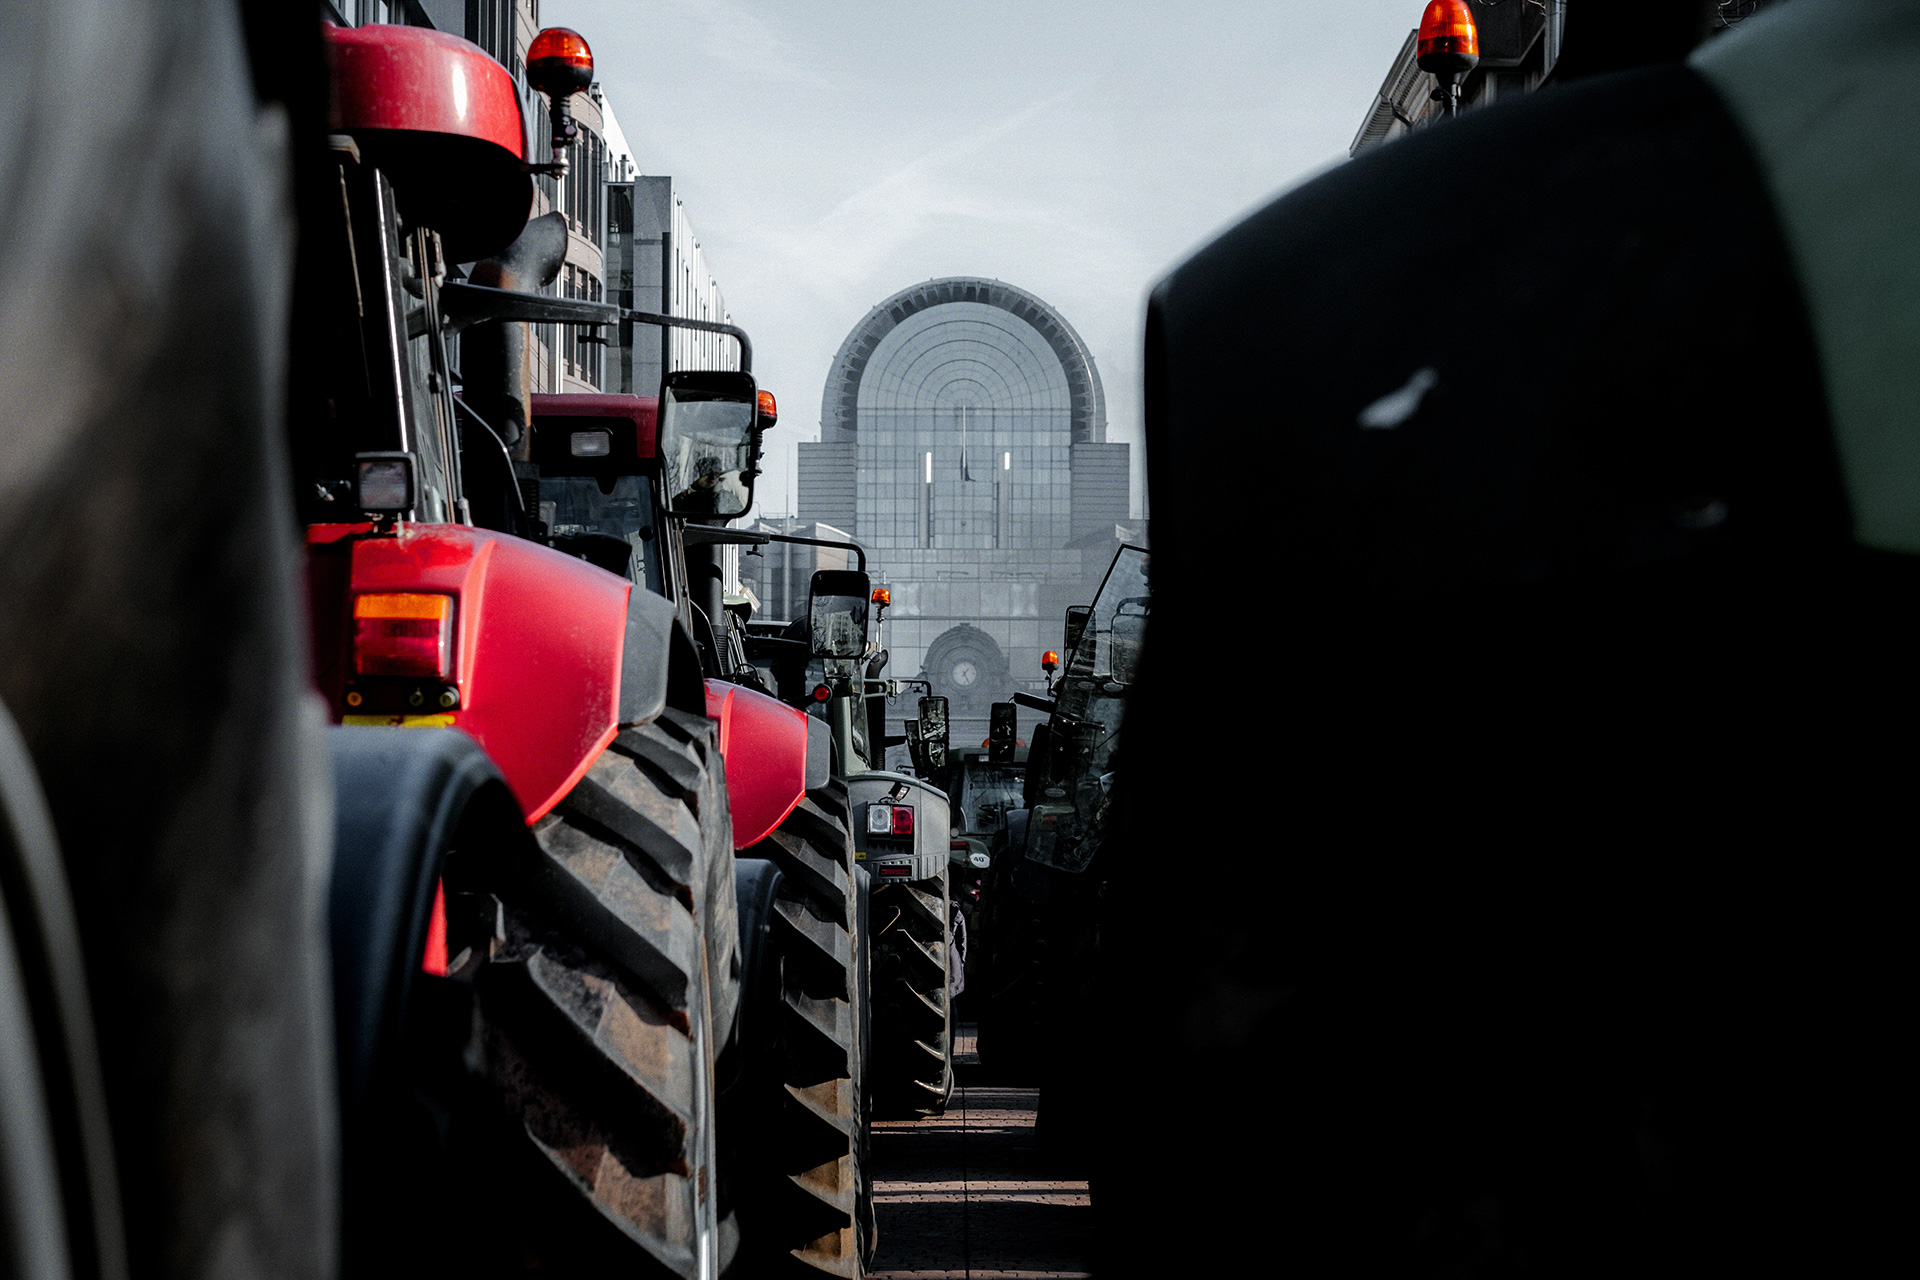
1085	728
1089	693
575	507
987	791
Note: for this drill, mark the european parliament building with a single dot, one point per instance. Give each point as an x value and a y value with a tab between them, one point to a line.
963	441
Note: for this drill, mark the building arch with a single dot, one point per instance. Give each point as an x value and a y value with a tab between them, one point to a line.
969	669
1002	318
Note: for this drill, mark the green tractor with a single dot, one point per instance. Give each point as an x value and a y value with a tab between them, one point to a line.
984	785
900	829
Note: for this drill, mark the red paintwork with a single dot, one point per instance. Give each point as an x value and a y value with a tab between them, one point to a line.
764	744
433	958
414	80
538	641
641	413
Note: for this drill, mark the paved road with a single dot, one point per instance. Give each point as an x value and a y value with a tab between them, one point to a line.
966	1195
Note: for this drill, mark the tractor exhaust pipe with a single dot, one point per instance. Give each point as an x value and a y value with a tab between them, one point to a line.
496	359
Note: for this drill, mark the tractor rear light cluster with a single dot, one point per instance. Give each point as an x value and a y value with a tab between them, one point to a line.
403	634
890	820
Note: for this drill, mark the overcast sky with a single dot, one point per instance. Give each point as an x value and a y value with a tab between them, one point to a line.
833	152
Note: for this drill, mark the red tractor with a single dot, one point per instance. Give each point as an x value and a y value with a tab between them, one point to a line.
634	1040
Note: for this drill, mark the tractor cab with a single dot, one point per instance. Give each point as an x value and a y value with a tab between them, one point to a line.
592	483
426	182
618	480
1070	768
985	790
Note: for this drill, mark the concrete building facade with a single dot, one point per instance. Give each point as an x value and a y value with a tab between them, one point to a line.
629	240
655	263
1519	45
1522	47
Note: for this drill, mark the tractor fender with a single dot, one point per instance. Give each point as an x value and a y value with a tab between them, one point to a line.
552	656
923	855
659	666
756	882
402	803
400	800
774	755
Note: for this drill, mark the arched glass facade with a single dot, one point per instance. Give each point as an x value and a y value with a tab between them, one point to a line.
963	441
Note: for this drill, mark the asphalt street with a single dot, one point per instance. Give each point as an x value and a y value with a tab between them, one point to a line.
967	1195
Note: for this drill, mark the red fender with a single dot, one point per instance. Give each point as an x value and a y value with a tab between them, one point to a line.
418	81
538	642
764	744
443	119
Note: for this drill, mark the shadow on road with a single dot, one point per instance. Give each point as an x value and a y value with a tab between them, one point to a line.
967	1195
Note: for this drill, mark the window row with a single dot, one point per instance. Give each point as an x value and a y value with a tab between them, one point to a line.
582	349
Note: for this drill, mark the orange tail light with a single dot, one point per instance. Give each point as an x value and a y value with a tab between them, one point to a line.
403	634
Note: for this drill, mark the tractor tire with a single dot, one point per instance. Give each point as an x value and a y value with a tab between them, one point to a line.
612	981
863	898
805	1198
912	1012
1011	1000
155	654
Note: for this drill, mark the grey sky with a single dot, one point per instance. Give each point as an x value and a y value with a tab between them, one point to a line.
832	152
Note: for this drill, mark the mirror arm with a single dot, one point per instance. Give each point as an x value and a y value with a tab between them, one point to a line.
697	534
1047	705
733	331
463	304
856	548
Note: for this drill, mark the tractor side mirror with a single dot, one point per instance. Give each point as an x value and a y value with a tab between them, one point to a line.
837	604
1129	632
1077	618
710	444
1003	727
935	736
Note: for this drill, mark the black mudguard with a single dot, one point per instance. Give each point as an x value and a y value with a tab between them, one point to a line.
659	662
756	881
400	799
403	799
